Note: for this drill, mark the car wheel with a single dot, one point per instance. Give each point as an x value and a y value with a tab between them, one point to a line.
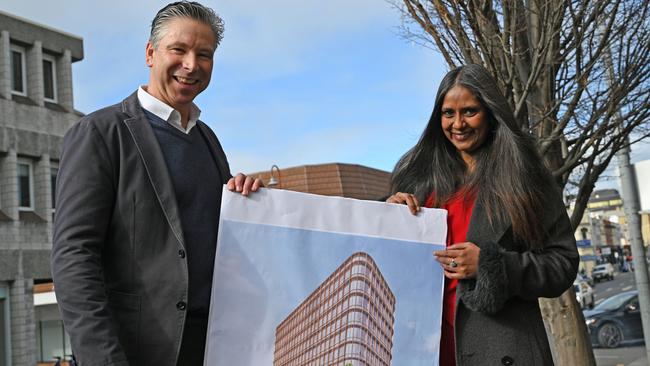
593	302
582	304
610	335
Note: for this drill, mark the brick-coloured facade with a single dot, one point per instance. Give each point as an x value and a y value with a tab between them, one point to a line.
31	131
333	179
347	321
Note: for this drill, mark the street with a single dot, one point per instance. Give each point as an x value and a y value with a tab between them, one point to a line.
621	355
621	282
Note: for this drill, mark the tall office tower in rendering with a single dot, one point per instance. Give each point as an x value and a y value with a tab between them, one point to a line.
347	321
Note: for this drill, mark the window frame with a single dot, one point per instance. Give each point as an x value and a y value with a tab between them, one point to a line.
23	64
53	166
52	60
30	165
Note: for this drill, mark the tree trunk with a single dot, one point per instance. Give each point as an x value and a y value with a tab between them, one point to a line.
567	331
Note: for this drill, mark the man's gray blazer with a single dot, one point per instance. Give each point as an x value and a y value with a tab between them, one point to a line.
118	263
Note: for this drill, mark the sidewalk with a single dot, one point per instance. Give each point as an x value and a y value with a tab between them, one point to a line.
634	355
643	361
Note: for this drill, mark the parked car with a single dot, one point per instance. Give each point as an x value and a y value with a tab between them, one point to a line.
584	277
584	294
615	321
603	271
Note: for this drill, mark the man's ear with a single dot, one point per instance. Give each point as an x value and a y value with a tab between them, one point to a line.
149	50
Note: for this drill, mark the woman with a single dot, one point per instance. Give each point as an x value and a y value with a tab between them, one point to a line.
509	238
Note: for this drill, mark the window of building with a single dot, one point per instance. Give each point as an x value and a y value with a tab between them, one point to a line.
4	326
52	341
54	171
49	78
18	74
25	185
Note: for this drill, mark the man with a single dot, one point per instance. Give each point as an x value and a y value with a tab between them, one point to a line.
138	202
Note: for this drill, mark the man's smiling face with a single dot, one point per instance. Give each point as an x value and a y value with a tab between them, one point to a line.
181	63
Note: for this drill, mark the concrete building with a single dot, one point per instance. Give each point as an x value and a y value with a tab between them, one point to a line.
347	321
36	108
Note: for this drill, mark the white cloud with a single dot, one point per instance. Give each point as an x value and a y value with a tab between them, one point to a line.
432	343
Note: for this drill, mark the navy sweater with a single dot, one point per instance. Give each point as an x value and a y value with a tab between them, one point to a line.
197	184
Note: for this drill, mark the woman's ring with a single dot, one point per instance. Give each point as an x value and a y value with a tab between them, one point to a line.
453	263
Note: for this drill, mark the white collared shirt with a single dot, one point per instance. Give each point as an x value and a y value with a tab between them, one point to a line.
167	113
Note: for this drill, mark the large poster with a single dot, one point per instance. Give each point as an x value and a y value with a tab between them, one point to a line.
302	279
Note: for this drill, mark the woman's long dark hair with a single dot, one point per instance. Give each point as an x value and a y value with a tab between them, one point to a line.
509	177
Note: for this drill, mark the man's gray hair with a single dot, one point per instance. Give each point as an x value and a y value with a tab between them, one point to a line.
185	9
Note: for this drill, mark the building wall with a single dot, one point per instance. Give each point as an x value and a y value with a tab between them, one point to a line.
347	320
603	226
642	170
31	131
645	228
334	179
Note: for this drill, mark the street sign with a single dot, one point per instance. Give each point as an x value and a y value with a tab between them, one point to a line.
589	258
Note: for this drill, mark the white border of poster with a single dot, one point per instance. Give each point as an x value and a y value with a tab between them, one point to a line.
275	250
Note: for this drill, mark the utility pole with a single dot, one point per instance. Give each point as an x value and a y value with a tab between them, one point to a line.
631	206
630	195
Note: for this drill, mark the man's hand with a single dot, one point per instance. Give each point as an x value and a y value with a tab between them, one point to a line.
243	184
407	199
459	261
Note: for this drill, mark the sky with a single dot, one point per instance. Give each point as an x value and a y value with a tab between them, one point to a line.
295	81
263	273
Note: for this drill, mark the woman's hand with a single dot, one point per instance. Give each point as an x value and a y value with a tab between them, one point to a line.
408	199
459	261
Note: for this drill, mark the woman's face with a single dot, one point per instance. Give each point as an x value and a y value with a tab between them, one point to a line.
464	121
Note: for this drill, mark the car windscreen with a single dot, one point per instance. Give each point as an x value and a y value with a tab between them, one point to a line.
614	302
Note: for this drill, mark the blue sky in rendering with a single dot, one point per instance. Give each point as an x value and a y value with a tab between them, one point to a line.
295	82
263	272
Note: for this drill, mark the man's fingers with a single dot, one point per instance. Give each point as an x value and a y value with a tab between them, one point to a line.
231	184
257	184
243	184
248	184
239	182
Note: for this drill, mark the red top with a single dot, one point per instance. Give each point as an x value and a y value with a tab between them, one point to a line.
459	213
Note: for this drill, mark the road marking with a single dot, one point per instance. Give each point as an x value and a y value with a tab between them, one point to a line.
626	288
